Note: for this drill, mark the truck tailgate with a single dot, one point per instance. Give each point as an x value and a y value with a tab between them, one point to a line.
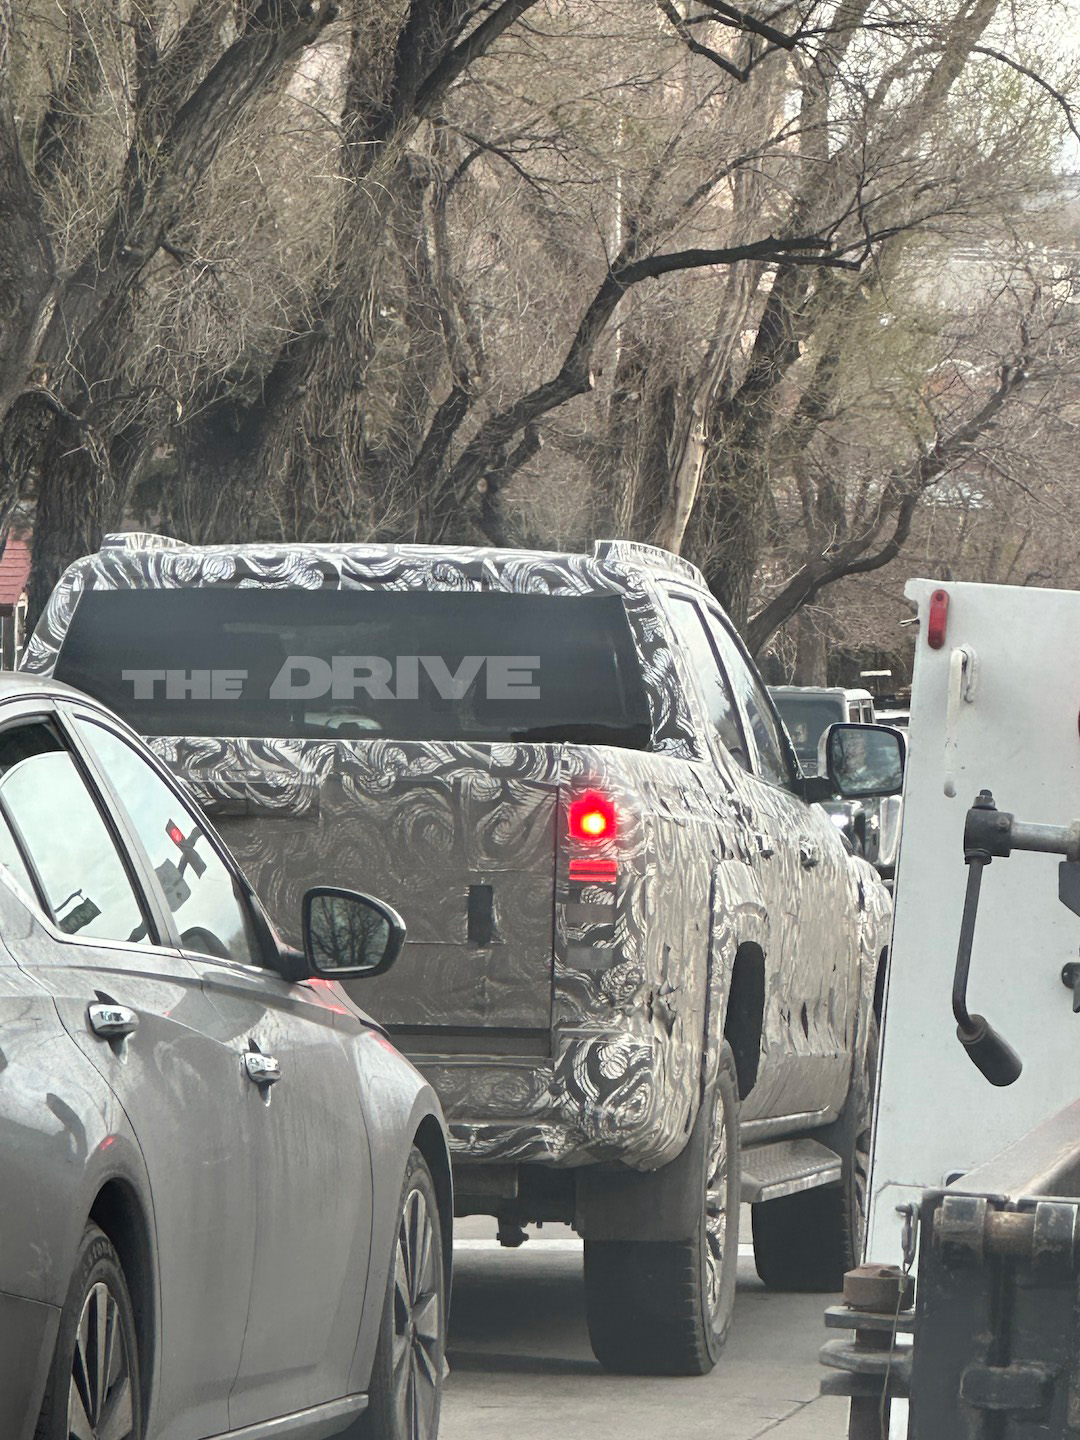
460	838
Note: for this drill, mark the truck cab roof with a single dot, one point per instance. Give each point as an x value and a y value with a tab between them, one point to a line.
630	553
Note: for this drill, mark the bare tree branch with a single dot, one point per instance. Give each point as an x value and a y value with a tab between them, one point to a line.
478	42
491	147
740	20
27	264
157	187
774	250
696	48
900	497
488	446
1040	80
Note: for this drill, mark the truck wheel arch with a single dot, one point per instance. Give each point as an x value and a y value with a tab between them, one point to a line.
738	946
744	1017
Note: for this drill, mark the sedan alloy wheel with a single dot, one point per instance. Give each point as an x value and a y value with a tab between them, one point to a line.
418	1338
100	1405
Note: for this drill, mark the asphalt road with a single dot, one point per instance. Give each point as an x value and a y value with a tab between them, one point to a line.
521	1367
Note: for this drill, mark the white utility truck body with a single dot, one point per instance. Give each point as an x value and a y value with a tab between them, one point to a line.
995	705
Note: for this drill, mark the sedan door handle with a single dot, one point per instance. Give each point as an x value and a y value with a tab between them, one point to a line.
111	1021
264	1070
766	845
809	854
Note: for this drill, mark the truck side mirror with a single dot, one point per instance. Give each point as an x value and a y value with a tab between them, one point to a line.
863	760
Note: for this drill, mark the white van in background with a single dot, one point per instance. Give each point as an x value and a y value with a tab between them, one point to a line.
809	710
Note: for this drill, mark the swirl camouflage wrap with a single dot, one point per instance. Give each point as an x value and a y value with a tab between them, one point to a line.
566	995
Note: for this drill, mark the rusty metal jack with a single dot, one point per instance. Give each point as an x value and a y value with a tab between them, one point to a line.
872	1371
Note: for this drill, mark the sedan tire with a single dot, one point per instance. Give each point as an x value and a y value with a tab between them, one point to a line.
93	1389
405	1394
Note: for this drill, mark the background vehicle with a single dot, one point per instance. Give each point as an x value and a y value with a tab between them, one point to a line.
809	710
871	825
634	947
899	718
214	1175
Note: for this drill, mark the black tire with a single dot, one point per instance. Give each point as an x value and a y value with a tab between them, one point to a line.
807	1241
106	1383
405	1393
664	1307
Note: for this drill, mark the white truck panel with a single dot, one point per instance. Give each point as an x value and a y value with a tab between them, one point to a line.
1012	728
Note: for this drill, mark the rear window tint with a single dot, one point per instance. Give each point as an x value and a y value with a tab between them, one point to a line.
361	664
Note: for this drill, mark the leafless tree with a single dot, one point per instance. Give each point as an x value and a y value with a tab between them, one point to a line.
467	269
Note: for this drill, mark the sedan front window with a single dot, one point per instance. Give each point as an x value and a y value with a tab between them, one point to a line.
210	914
65	837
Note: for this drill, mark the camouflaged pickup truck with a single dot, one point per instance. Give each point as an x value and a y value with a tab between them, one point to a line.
641	968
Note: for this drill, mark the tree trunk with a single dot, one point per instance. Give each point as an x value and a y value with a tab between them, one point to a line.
737	501
26	259
687	469
73	511
811	652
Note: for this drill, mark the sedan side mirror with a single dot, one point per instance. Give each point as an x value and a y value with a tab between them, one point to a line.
864	760
349	936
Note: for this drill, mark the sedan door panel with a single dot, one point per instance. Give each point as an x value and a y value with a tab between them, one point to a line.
172	1082
63	1136
28	1329
305	1205
62	1133
310	1205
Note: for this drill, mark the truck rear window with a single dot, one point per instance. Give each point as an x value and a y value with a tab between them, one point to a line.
361	664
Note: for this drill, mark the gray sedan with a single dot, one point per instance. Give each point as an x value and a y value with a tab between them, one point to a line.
225	1196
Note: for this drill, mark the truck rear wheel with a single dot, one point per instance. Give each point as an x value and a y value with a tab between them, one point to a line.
807	1241
664	1307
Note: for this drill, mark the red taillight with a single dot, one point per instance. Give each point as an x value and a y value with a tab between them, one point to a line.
587	870
175	834
592	817
938	619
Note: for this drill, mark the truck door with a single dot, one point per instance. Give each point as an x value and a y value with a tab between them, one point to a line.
804	875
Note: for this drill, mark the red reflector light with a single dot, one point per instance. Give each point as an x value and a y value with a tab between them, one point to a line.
597	871
939	616
592	817
175	834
